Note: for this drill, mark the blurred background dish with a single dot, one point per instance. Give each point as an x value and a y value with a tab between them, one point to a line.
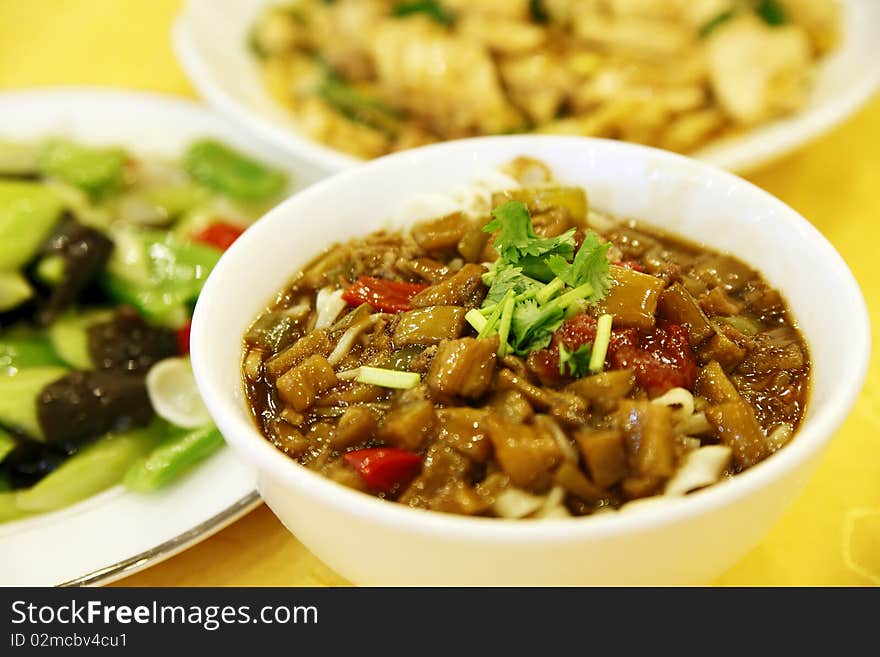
101	166
733	83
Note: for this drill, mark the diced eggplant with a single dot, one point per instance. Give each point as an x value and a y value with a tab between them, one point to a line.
678	306
543	199
463	430
357	425
126	343
540	398
722	349
409	426
443	484
428	269
351	392
441	234
632	299
300	386
773	351
604	453
762	299
605	390
512	406
428	326
736	426
464	288
83	405
717	303
272	331
463	368
472	243
570	477
722	271
317	341
525	453
713	384
570	409
649	437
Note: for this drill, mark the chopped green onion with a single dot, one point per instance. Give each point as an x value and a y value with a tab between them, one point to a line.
489	329
388	378
546	293
600	344
476	319
506	318
573	296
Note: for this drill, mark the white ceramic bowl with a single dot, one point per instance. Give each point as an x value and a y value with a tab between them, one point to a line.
687	540
210	38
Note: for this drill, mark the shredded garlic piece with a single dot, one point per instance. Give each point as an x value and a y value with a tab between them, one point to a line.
346	342
329	304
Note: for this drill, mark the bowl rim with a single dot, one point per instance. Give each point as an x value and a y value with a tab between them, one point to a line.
772	140
812	436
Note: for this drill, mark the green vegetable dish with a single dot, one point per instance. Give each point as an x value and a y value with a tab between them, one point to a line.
526	356
102	257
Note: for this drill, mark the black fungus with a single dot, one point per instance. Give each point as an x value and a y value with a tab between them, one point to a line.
126	343
83	405
85	252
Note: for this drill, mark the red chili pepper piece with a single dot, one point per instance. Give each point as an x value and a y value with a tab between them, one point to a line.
384	468
183	338
384	295
220	235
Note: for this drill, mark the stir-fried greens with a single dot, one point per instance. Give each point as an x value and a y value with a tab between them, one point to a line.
102	257
526	356
373	76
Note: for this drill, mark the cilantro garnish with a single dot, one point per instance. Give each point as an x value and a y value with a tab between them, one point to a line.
517	243
575	363
590	265
537	283
503	277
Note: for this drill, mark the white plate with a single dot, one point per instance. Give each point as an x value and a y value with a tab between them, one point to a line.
116	533
210	40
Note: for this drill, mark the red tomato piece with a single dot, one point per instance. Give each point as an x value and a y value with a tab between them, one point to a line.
183	338
384	468
661	358
384	295
219	235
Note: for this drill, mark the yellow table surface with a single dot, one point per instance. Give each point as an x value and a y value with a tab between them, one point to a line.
830	536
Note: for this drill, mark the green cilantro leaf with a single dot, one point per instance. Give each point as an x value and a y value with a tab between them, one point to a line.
575	363
502	277
590	265
518	244
533	325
